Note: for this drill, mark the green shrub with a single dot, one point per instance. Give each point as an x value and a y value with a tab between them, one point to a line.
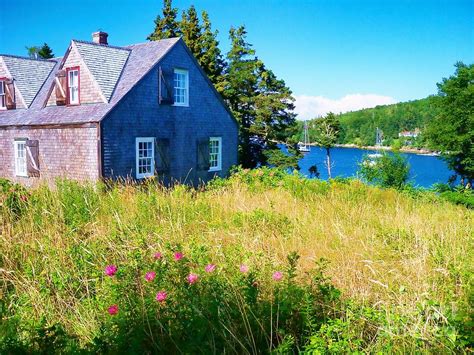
13	197
390	170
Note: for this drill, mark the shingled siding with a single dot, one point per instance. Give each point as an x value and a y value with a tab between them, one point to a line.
89	91
139	115
63	152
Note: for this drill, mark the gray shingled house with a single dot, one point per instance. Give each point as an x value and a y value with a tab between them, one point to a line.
107	112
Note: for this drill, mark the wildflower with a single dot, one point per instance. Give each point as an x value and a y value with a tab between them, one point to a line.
150	276
192	278
23	198
244	269
210	268
161	296
178	256
110	270
113	310
158	256
277	275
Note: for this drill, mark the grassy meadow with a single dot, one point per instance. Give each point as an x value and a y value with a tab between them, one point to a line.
281	264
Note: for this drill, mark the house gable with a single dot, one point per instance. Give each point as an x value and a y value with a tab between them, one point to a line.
180	128
29	76
89	90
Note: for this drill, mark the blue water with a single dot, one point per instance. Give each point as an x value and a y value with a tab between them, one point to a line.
424	170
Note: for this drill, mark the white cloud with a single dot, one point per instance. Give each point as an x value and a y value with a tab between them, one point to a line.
308	107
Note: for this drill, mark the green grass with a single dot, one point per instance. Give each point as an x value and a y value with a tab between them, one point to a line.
364	269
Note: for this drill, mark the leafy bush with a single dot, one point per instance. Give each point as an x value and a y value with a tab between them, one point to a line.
13	197
390	170
458	195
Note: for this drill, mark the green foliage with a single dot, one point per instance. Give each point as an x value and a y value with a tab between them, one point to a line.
390	170
262	104
328	130
211	59
457	195
45	52
451	131
396	145
79	203
277	158
13	198
166	26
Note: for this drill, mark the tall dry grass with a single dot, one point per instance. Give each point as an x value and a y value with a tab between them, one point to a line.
386	249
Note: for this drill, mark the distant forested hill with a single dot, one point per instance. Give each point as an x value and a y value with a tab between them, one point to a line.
359	127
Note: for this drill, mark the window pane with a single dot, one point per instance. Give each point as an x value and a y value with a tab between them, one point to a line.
180	83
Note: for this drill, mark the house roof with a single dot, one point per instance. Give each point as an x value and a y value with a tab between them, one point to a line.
21	69
137	60
104	62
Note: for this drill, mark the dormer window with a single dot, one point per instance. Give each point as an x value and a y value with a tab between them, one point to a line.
73	86
3	97
181	87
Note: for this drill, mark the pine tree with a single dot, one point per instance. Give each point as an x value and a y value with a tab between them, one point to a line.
211	59
166	26
241	84
261	103
191	31
45	52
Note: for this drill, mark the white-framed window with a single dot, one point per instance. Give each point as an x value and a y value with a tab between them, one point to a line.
145	157
181	87
215	153
3	98
20	157
73	85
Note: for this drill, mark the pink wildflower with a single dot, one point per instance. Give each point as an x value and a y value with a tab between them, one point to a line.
192	278
161	296
150	276
210	268
110	270
113	310
158	256
244	268
178	256
277	275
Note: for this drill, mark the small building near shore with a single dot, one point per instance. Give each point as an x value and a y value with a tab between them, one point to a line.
409	134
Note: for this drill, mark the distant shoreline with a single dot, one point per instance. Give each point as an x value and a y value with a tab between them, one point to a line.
419	151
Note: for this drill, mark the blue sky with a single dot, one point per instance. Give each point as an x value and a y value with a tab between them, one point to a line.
334	54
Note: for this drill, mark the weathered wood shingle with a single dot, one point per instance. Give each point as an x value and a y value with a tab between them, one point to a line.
105	63
29	74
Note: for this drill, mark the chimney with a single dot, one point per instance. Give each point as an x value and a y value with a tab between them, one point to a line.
100	37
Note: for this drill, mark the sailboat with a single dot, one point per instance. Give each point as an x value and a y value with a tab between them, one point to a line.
372	158
304	146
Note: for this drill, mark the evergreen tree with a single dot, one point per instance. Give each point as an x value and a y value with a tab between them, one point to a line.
261	103
166	26
191	31
211	59
45	52
241	85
